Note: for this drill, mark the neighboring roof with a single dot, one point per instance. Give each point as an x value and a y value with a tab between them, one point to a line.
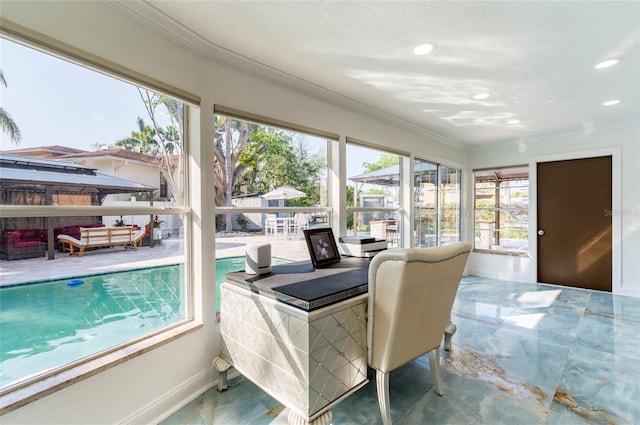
24	173
63	152
503	174
43	151
116	153
391	175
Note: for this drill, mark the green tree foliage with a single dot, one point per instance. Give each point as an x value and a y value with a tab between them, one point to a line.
251	158
375	191
267	159
350	195
6	122
386	160
142	140
485	210
273	159
163	142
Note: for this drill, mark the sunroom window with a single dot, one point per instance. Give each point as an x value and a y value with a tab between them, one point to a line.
92	259
271	183
501	201
436	204
374	193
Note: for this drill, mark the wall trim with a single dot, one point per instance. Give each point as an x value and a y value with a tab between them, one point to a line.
172	400
152	18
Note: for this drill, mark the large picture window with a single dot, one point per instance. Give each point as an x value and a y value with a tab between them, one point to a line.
501	201
436	204
271	181
263	169
373	193
94	224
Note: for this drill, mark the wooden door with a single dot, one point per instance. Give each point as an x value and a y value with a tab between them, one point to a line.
574	223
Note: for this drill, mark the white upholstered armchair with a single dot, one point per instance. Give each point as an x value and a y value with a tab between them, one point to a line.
411	293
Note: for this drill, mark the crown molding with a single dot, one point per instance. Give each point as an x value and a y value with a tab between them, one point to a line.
149	16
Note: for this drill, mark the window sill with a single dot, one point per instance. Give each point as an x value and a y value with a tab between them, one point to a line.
22	395
508	253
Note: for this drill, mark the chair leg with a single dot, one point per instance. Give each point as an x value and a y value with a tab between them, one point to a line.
434	364
448	334
382	384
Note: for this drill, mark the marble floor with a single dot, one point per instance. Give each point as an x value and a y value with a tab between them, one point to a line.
523	354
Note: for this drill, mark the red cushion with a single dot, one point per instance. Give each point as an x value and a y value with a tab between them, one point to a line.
18	244
73	231
33	234
13	233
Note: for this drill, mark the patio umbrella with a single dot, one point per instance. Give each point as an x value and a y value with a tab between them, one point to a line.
284	192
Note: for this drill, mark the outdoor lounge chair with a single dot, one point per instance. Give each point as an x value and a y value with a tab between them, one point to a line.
101	237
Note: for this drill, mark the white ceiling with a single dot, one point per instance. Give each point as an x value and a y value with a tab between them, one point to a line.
535	59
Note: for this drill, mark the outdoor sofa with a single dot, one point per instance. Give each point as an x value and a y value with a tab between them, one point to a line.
20	244
94	237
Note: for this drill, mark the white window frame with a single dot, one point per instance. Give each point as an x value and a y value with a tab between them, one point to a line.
438	197
38	386
497	209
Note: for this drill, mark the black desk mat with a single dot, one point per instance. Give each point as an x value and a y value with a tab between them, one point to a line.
304	287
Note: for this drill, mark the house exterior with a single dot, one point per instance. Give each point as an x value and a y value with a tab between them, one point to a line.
112	161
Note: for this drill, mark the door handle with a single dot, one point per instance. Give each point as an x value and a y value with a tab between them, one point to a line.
540	232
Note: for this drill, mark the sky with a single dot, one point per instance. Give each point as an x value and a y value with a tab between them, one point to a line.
88	108
55	102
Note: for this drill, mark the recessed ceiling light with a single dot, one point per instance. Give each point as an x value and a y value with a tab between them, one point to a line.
513	121
481	96
423	49
611	102
606	64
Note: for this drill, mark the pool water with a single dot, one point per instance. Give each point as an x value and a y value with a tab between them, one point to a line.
46	325
234	264
50	324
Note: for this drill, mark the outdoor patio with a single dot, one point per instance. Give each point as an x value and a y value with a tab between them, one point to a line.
171	251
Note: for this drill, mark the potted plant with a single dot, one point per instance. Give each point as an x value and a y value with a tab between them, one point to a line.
157	230
119	223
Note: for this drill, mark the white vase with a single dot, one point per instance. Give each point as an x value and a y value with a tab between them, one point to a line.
157	233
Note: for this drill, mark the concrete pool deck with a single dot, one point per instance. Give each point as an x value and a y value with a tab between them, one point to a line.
171	251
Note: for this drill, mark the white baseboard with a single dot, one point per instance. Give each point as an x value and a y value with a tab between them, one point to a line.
497	275
172	400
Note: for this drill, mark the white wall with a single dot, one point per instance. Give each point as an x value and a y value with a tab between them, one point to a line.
135	171
141	389
624	142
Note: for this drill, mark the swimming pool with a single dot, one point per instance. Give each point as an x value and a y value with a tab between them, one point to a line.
234	264
49	324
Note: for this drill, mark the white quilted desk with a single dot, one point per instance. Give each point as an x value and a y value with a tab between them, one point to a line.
298	333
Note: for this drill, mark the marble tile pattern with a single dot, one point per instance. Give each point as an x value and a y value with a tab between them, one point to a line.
523	354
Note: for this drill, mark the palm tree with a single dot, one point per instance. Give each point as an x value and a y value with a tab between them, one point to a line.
6	122
141	141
